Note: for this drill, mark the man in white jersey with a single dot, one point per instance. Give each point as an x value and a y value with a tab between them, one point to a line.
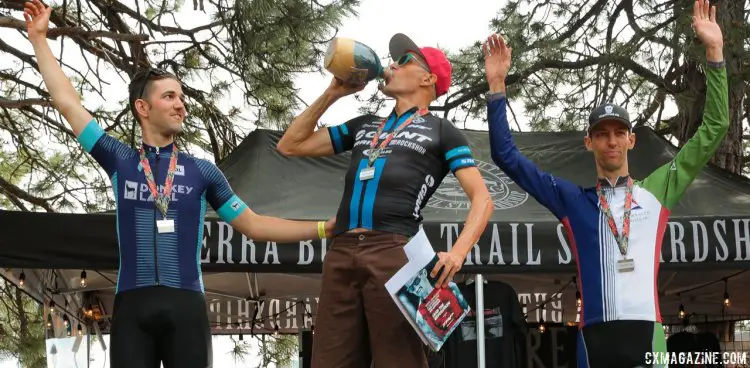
616	227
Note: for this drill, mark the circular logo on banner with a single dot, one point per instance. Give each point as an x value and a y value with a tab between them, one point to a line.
504	192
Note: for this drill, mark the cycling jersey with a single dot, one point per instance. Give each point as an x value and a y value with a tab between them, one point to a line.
608	294
407	171
147	257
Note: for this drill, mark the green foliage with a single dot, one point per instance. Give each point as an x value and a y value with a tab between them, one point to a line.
22	328
237	70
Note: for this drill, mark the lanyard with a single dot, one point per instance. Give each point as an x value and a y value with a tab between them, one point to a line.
162	202
622	241
375	152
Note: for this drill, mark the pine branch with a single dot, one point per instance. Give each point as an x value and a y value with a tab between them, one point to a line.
17	104
56	32
13	190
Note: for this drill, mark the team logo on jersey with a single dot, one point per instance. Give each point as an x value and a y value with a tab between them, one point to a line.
505	193
179	170
131	190
236	205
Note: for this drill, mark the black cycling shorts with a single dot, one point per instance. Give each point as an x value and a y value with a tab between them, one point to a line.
154	325
620	344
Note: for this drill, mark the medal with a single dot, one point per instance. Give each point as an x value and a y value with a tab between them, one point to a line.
369	172
162	201
625	264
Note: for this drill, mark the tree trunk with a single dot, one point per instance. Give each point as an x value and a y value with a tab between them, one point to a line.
691	102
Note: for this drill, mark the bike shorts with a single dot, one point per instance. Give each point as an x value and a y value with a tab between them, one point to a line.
155	325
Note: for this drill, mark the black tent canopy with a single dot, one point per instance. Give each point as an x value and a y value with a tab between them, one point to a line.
524	245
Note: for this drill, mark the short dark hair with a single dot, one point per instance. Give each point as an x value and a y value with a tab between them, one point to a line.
141	83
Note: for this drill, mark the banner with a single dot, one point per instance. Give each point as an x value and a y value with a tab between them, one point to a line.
234	316
503	247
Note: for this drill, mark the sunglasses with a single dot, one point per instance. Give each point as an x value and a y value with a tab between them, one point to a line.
153	72
406	58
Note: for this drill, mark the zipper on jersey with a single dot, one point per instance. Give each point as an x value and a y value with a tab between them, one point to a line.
156	218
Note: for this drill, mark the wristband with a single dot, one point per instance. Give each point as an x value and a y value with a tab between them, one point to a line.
321	229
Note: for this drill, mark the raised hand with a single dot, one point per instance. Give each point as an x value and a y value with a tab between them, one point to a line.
339	88
37	19
705	26
497	57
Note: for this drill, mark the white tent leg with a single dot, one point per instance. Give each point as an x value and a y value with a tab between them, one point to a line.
479	287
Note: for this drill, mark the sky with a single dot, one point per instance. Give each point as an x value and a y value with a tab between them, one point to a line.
437	23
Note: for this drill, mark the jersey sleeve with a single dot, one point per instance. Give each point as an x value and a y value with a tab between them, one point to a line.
455	147
669	182
219	193
344	135
545	188
104	148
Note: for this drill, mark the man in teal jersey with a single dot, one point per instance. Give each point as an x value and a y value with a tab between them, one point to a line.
159	311
616	227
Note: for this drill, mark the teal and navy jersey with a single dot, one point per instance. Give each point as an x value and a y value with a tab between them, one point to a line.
147	257
407	172
606	293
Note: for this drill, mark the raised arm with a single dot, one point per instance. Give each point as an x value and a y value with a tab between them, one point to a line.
64	97
669	182
301	138
542	186
236	212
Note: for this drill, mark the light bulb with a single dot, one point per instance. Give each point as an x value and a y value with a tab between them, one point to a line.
727	302
542	327
312	329
682	311
80	330
83	278
276	330
578	299
21	279
52	306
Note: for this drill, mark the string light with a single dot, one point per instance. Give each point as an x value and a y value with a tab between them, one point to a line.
276	330
83	278
312	328
51	306
682	311
80	330
66	321
542	327
49	320
21	279
578	299
727	302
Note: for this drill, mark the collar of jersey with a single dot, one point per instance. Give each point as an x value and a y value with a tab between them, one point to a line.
152	149
620	182
405	114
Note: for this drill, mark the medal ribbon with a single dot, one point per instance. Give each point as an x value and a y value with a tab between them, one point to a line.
622	241
375	153
162	202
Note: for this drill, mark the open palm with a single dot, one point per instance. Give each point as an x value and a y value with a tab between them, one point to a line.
37	18
496	59
704	24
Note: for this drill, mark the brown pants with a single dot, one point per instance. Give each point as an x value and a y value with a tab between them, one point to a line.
357	323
